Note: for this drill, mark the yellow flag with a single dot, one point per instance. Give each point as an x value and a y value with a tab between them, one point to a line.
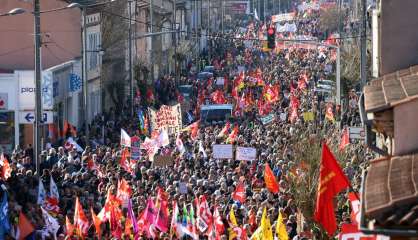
264	231
281	228
233	222
232	218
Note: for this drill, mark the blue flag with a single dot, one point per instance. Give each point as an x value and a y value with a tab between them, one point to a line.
141	119
75	82
4	216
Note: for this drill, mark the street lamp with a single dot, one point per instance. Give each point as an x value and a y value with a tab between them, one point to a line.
14	11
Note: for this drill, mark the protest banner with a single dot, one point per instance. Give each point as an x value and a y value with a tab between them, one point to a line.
222	151
267	119
246	153
163	161
167	117
283	17
135	148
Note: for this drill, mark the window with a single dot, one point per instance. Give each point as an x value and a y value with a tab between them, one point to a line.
92	50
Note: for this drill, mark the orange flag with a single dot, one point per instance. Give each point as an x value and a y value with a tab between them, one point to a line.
124	191
96	223
69	227
233	135
24	227
270	180
331	181
194	130
80	220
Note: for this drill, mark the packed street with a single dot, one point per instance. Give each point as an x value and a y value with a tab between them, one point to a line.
253	136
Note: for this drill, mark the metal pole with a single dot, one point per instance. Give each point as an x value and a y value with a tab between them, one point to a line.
338	77
273	7
363	50
131	79
222	16
280	6
175	39
38	98
209	39
85	80
151	10
264	9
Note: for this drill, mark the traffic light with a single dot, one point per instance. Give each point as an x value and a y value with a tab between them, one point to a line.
271	37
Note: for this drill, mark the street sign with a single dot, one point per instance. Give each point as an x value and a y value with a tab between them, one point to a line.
28	117
356	132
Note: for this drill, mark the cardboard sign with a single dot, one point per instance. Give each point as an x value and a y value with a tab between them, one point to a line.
356	133
246	153
308	116
283	116
183	188
163	161
222	151
167	117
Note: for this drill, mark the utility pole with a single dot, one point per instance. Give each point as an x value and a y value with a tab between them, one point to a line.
175	40
363	50
131	79
209	38
84	73
222	16
151	10
38	97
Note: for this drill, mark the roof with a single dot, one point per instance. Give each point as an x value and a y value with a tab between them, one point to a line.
391	192
391	89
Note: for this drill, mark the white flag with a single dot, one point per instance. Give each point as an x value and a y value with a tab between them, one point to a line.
202	150
71	141
163	139
256	15
51	224
53	189
41	193
180	145
125	139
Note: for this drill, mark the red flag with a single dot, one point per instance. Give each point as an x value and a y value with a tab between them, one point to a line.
264	107
24	227
96	223
69	227
224	130
161	222
355	207
218	224
80	220
148	218
218	97
180	97
351	231
234	93
204	216
345	139
239	193
331	181
6	170
124	161
270	180
150	95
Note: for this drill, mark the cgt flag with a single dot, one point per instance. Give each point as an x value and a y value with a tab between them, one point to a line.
331	181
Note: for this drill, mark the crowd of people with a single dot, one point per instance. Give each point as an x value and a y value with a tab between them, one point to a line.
92	174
